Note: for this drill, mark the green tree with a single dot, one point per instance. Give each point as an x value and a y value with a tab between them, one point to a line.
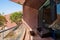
16	17
2	21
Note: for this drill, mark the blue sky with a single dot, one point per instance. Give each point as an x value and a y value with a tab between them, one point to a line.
8	6
58	8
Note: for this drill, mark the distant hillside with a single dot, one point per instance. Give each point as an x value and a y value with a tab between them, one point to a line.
9	23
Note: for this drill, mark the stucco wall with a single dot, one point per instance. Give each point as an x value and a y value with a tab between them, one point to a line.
30	12
30	16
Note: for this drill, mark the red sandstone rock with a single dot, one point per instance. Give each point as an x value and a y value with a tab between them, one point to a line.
9	24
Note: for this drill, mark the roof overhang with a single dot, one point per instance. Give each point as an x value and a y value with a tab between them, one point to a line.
23	1
19	1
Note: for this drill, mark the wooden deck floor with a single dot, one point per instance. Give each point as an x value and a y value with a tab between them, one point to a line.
37	37
22	33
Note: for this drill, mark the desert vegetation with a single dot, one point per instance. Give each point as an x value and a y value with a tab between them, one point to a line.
16	17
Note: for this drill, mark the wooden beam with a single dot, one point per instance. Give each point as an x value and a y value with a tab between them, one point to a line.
19	1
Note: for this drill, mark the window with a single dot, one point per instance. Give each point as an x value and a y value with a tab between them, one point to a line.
58	8
47	13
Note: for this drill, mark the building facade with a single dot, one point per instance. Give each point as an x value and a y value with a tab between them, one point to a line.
32	13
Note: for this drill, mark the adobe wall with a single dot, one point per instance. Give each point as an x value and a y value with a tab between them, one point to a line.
30	12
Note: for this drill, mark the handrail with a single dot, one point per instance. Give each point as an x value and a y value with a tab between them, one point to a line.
14	28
